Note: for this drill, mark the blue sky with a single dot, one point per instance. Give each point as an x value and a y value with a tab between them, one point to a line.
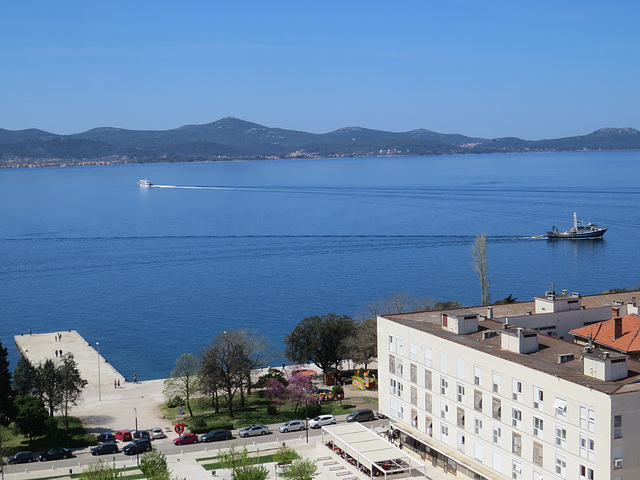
492	68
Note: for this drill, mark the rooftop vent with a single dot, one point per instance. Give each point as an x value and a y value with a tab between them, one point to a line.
565	357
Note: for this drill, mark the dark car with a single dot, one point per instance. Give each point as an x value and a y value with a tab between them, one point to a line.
55	454
362	415
21	457
137	446
104	448
215	435
142	434
106	437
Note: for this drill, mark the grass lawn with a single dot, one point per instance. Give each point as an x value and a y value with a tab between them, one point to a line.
255	411
77	437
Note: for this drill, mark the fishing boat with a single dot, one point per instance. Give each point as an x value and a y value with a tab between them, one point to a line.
580	230
144	183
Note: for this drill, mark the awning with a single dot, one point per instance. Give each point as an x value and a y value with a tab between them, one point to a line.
369	449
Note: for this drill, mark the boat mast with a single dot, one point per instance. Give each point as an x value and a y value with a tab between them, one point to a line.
575	221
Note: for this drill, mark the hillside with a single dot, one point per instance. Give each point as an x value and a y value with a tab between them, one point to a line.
231	138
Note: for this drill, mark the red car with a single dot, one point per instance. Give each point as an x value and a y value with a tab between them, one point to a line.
186	439
124	435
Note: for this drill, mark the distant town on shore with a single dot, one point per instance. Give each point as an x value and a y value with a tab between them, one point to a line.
234	139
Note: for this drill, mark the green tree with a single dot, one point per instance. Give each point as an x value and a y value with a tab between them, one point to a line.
100	471
49	385
183	381
319	339
301	469
32	418
25	380
153	466
285	455
250	472
479	264
7	410
240	464
71	385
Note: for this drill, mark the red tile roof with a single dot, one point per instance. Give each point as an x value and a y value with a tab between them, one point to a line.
602	333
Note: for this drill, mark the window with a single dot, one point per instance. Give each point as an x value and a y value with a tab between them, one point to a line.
617	426
537	454
399	369
560	406
516	470
497	383
393	386
413	373
413	351
392	364
496	408
427	379
414	418
459	368
461	441
561	436
444	410
517	390
428	402
587	418
460	393
428	359
477	400
477	375
561	465
392	343
586	473
538	427
414	395
477	451
396	408
516	418
497	434
444	385
538	398
444	363
617	457
444	433
399	345
477	426
428	426
400	389
587	447
460	417
516	444
496	461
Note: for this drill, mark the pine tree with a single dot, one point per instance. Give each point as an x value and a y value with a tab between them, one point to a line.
7	409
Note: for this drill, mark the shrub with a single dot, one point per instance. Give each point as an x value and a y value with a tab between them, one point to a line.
337	390
175	402
312	410
272	409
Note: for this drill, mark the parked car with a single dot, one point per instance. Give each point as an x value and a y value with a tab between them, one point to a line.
124	435
322	420
292	426
253	430
215	435
363	415
186	439
380	415
106	438
105	448
137	446
142	434
21	457
157	432
55	454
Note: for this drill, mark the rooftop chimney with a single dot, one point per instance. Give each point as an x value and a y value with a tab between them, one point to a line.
615	312
617	328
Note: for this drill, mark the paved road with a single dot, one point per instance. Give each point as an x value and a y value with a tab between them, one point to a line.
83	457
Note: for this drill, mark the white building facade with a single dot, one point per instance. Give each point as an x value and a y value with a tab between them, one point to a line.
490	401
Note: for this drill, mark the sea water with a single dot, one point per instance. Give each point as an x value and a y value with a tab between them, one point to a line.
152	273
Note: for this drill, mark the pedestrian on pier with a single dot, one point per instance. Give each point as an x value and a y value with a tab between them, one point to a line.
135	378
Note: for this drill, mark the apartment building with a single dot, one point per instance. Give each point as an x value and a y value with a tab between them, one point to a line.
485	399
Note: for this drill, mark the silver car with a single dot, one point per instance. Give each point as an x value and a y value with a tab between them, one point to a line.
292	426
253	430
322	420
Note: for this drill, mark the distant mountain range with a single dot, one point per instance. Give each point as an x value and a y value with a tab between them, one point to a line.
231	138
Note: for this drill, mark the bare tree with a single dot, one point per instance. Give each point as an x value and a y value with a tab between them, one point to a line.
184	379
479	265
230	358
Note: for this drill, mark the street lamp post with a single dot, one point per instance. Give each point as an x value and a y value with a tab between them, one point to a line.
137	450
99	385
306	413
